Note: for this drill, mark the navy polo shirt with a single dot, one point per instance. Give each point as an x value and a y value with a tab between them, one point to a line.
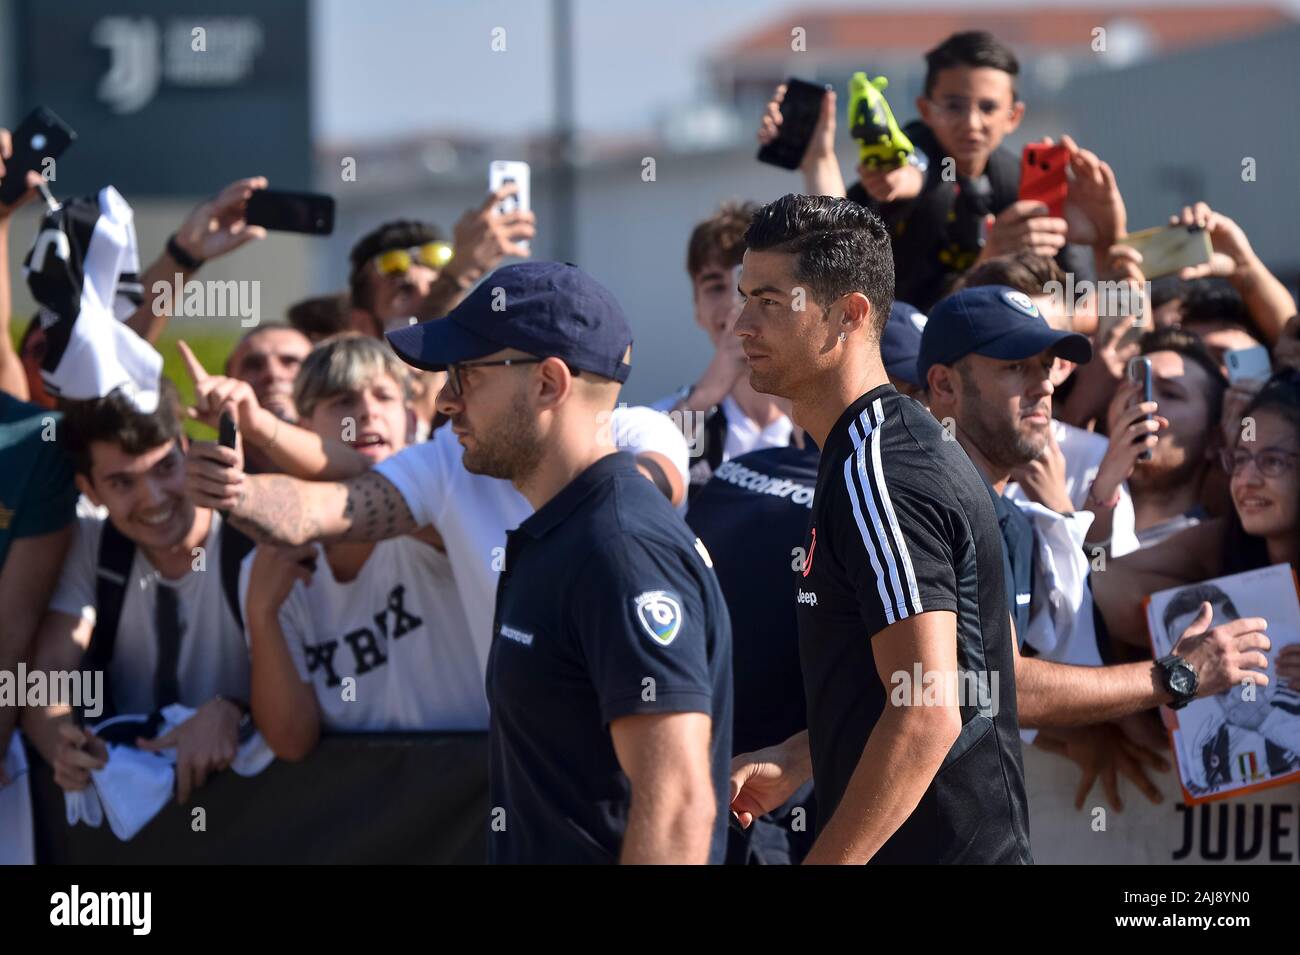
753	517
607	607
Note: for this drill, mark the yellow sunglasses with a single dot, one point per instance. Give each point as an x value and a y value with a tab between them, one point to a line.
397	261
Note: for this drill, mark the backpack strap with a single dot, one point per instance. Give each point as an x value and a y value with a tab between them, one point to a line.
116	553
235	546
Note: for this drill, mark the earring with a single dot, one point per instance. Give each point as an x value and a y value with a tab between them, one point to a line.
844	336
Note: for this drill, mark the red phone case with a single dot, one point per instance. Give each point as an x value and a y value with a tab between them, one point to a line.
1042	176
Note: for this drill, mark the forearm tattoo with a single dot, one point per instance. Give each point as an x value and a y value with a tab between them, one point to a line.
273	510
374	510
281	509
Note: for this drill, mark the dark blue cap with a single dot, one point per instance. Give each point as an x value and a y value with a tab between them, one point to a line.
997	322
900	343
547	309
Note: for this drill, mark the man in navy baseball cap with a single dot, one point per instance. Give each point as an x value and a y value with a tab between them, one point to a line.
547	309
997	322
581	757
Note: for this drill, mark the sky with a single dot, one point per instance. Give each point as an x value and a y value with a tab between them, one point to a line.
392	67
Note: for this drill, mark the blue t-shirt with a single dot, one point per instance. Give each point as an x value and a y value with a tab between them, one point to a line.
753	517
37	495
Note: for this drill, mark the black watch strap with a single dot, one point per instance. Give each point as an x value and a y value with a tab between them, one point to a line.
1168	665
180	256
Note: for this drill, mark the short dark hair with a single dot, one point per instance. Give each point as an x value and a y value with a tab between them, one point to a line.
1025	271
971	48
1215	300
839	247
1193	349
720	239
321	316
115	418
397	234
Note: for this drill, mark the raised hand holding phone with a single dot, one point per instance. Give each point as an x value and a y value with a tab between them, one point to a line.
800	110
504	171
41	137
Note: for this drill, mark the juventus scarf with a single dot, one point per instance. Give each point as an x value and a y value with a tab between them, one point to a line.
83	269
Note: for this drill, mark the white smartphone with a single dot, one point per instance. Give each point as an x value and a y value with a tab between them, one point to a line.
502	171
1248	363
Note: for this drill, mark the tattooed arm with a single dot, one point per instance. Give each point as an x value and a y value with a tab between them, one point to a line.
279	509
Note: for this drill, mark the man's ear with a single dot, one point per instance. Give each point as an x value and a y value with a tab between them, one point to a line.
86	487
943	385
554	381
856	313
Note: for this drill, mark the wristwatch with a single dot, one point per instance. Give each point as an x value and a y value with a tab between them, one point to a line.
1180	680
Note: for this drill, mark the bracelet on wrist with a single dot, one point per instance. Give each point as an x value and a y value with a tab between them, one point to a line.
181	257
1093	502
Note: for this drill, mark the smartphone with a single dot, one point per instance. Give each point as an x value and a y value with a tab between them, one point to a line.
1139	369
226	430
1167	250
502	171
307	212
1042	176
1245	364
41	136
800	109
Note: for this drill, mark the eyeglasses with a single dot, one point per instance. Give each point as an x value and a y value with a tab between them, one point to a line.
1270	462
453	371
955	109
399	261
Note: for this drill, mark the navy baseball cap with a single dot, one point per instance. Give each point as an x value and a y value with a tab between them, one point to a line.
900	343
547	309
995	321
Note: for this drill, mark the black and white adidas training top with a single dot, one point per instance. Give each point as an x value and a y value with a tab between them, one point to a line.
902	524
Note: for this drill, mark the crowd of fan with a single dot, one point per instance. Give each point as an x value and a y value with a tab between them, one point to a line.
388	630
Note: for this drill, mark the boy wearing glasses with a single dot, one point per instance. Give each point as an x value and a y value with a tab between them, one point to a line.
955	202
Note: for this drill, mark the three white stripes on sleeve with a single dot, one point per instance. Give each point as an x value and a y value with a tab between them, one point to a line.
879	510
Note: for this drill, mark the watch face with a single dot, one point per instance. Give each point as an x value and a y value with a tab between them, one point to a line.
1182	680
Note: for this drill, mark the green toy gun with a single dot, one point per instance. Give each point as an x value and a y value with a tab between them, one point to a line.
872	124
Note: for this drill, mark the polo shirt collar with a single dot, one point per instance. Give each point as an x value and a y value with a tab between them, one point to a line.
555	511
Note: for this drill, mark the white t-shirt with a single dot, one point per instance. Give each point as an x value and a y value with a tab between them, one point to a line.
1083	451
472	512
213	656
744	435
398	630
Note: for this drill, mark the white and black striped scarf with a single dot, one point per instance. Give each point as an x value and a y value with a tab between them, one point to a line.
83	269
